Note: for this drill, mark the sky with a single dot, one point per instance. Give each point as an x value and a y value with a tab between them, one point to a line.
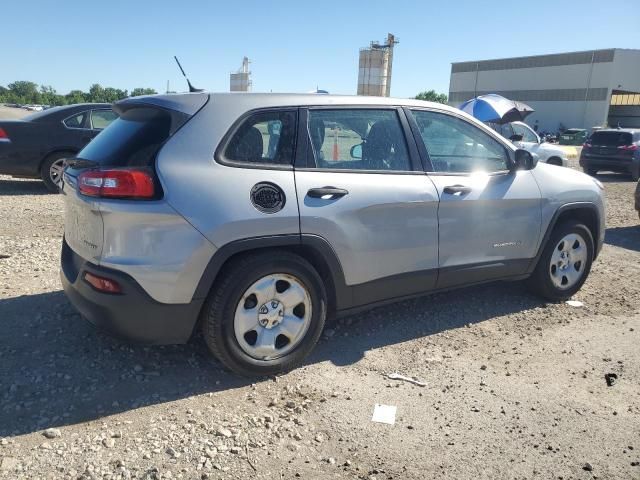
294	46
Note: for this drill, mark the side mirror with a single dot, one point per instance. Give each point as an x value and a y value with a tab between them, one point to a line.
524	160
516	137
543	140
356	151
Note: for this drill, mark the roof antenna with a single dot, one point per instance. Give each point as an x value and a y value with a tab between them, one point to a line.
192	89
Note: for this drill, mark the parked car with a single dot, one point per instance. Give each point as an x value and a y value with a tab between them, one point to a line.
525	137
36	145
256	216
612	149
573	136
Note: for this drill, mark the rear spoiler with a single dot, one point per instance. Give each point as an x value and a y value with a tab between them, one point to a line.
187	103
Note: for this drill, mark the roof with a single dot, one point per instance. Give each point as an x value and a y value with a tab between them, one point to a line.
534	61
190	102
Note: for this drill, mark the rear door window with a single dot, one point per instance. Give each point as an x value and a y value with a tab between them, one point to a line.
358	139
611	139
131	140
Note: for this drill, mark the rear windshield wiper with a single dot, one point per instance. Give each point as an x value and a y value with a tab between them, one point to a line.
77	162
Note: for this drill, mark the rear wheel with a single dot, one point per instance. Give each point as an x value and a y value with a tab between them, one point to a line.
51	170
555	161
565	262
265	314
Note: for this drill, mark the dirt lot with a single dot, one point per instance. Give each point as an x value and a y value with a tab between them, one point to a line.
515	387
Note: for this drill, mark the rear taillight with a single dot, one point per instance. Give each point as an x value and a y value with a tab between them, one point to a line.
117	183
586	146
628	148
102	284
3	135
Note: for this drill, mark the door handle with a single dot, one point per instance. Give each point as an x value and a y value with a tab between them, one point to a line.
328	193
453	189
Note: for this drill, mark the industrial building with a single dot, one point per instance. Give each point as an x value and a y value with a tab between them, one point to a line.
374	68
577	89
240	81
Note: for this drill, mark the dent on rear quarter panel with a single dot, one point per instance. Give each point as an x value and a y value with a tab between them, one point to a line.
156	246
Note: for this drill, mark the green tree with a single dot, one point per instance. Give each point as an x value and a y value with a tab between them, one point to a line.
75	96
96	93
24	92
111	95
432	96
136	92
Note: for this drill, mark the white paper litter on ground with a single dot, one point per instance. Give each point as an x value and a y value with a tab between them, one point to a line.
384	414
574	303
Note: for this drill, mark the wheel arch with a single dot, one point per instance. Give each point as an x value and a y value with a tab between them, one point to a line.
555	160
315	249
585	212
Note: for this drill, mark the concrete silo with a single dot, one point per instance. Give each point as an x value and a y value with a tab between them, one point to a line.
374	70
241	80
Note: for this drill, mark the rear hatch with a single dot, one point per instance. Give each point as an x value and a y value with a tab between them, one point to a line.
609	143
127	146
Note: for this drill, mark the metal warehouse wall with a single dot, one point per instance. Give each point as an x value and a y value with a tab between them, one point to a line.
556	86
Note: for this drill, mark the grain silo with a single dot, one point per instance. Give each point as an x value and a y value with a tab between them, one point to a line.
241	80
374	72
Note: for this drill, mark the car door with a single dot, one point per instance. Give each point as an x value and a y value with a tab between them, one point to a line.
490	215
364	192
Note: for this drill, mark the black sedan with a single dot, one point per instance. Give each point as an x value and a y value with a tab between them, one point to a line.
36	146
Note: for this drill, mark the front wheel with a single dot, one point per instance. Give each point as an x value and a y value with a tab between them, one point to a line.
265	314
565	262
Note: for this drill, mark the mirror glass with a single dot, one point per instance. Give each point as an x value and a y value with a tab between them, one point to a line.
356	151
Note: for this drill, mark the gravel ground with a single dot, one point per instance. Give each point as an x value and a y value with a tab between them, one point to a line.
515	387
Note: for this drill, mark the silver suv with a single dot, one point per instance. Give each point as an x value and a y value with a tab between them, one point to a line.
257	216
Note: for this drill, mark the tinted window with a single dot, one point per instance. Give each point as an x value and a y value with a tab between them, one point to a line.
264	138
131	140
455	145
611	139
358	139
77	121
102	118
527	134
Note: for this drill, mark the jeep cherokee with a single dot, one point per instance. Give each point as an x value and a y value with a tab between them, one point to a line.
256	216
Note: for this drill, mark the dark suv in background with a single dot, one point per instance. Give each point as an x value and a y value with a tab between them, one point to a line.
616	150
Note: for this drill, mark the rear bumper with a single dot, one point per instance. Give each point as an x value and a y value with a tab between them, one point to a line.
630	165
132	315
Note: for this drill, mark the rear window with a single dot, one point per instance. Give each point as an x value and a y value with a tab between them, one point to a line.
572	131
133	139
611	139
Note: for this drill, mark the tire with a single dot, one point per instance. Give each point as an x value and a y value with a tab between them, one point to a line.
590	171
546	279
554	161
635	175
239	296
46	170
